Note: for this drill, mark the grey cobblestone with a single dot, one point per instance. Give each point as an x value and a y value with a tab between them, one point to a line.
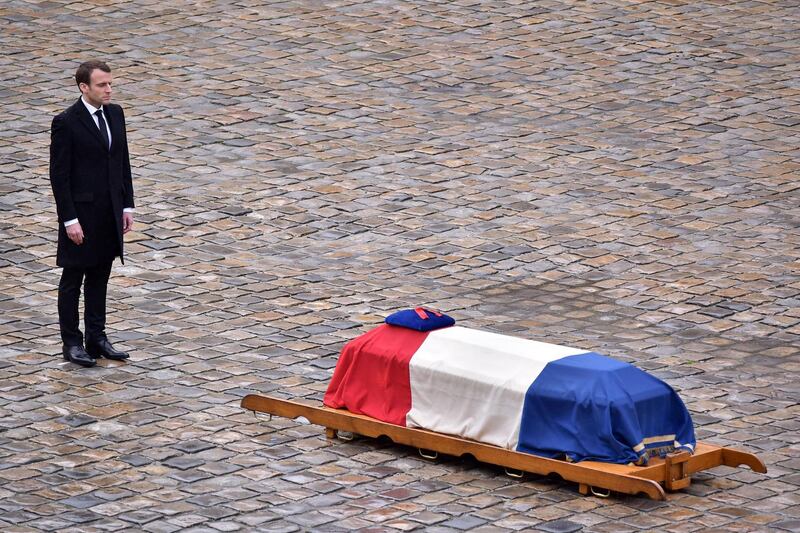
612	175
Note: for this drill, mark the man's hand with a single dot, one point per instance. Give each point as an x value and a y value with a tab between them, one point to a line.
75	233
127	222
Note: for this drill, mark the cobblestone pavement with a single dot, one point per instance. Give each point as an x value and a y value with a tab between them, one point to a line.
619	176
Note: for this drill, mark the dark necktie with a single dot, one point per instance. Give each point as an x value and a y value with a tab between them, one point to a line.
101	123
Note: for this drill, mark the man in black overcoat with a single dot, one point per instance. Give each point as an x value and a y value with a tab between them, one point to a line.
90	173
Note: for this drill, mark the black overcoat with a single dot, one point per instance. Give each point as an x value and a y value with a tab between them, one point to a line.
90	183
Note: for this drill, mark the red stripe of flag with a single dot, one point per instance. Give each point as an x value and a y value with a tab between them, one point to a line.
371	376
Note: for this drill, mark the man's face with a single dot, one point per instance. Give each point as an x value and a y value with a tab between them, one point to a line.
98	92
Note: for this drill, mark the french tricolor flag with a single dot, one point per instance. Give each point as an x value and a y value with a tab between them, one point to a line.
545	399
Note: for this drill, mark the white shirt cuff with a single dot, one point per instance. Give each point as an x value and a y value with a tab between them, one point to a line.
128	210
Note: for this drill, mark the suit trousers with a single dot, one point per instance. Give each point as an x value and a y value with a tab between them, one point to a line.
95	282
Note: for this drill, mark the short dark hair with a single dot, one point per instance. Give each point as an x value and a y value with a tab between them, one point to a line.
84	72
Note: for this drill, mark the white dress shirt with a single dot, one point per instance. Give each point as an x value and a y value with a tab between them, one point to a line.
92	110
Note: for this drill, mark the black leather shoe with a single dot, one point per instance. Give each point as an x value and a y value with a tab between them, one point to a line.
103	348
77	355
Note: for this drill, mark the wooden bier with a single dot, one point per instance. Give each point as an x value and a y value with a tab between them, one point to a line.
674	471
